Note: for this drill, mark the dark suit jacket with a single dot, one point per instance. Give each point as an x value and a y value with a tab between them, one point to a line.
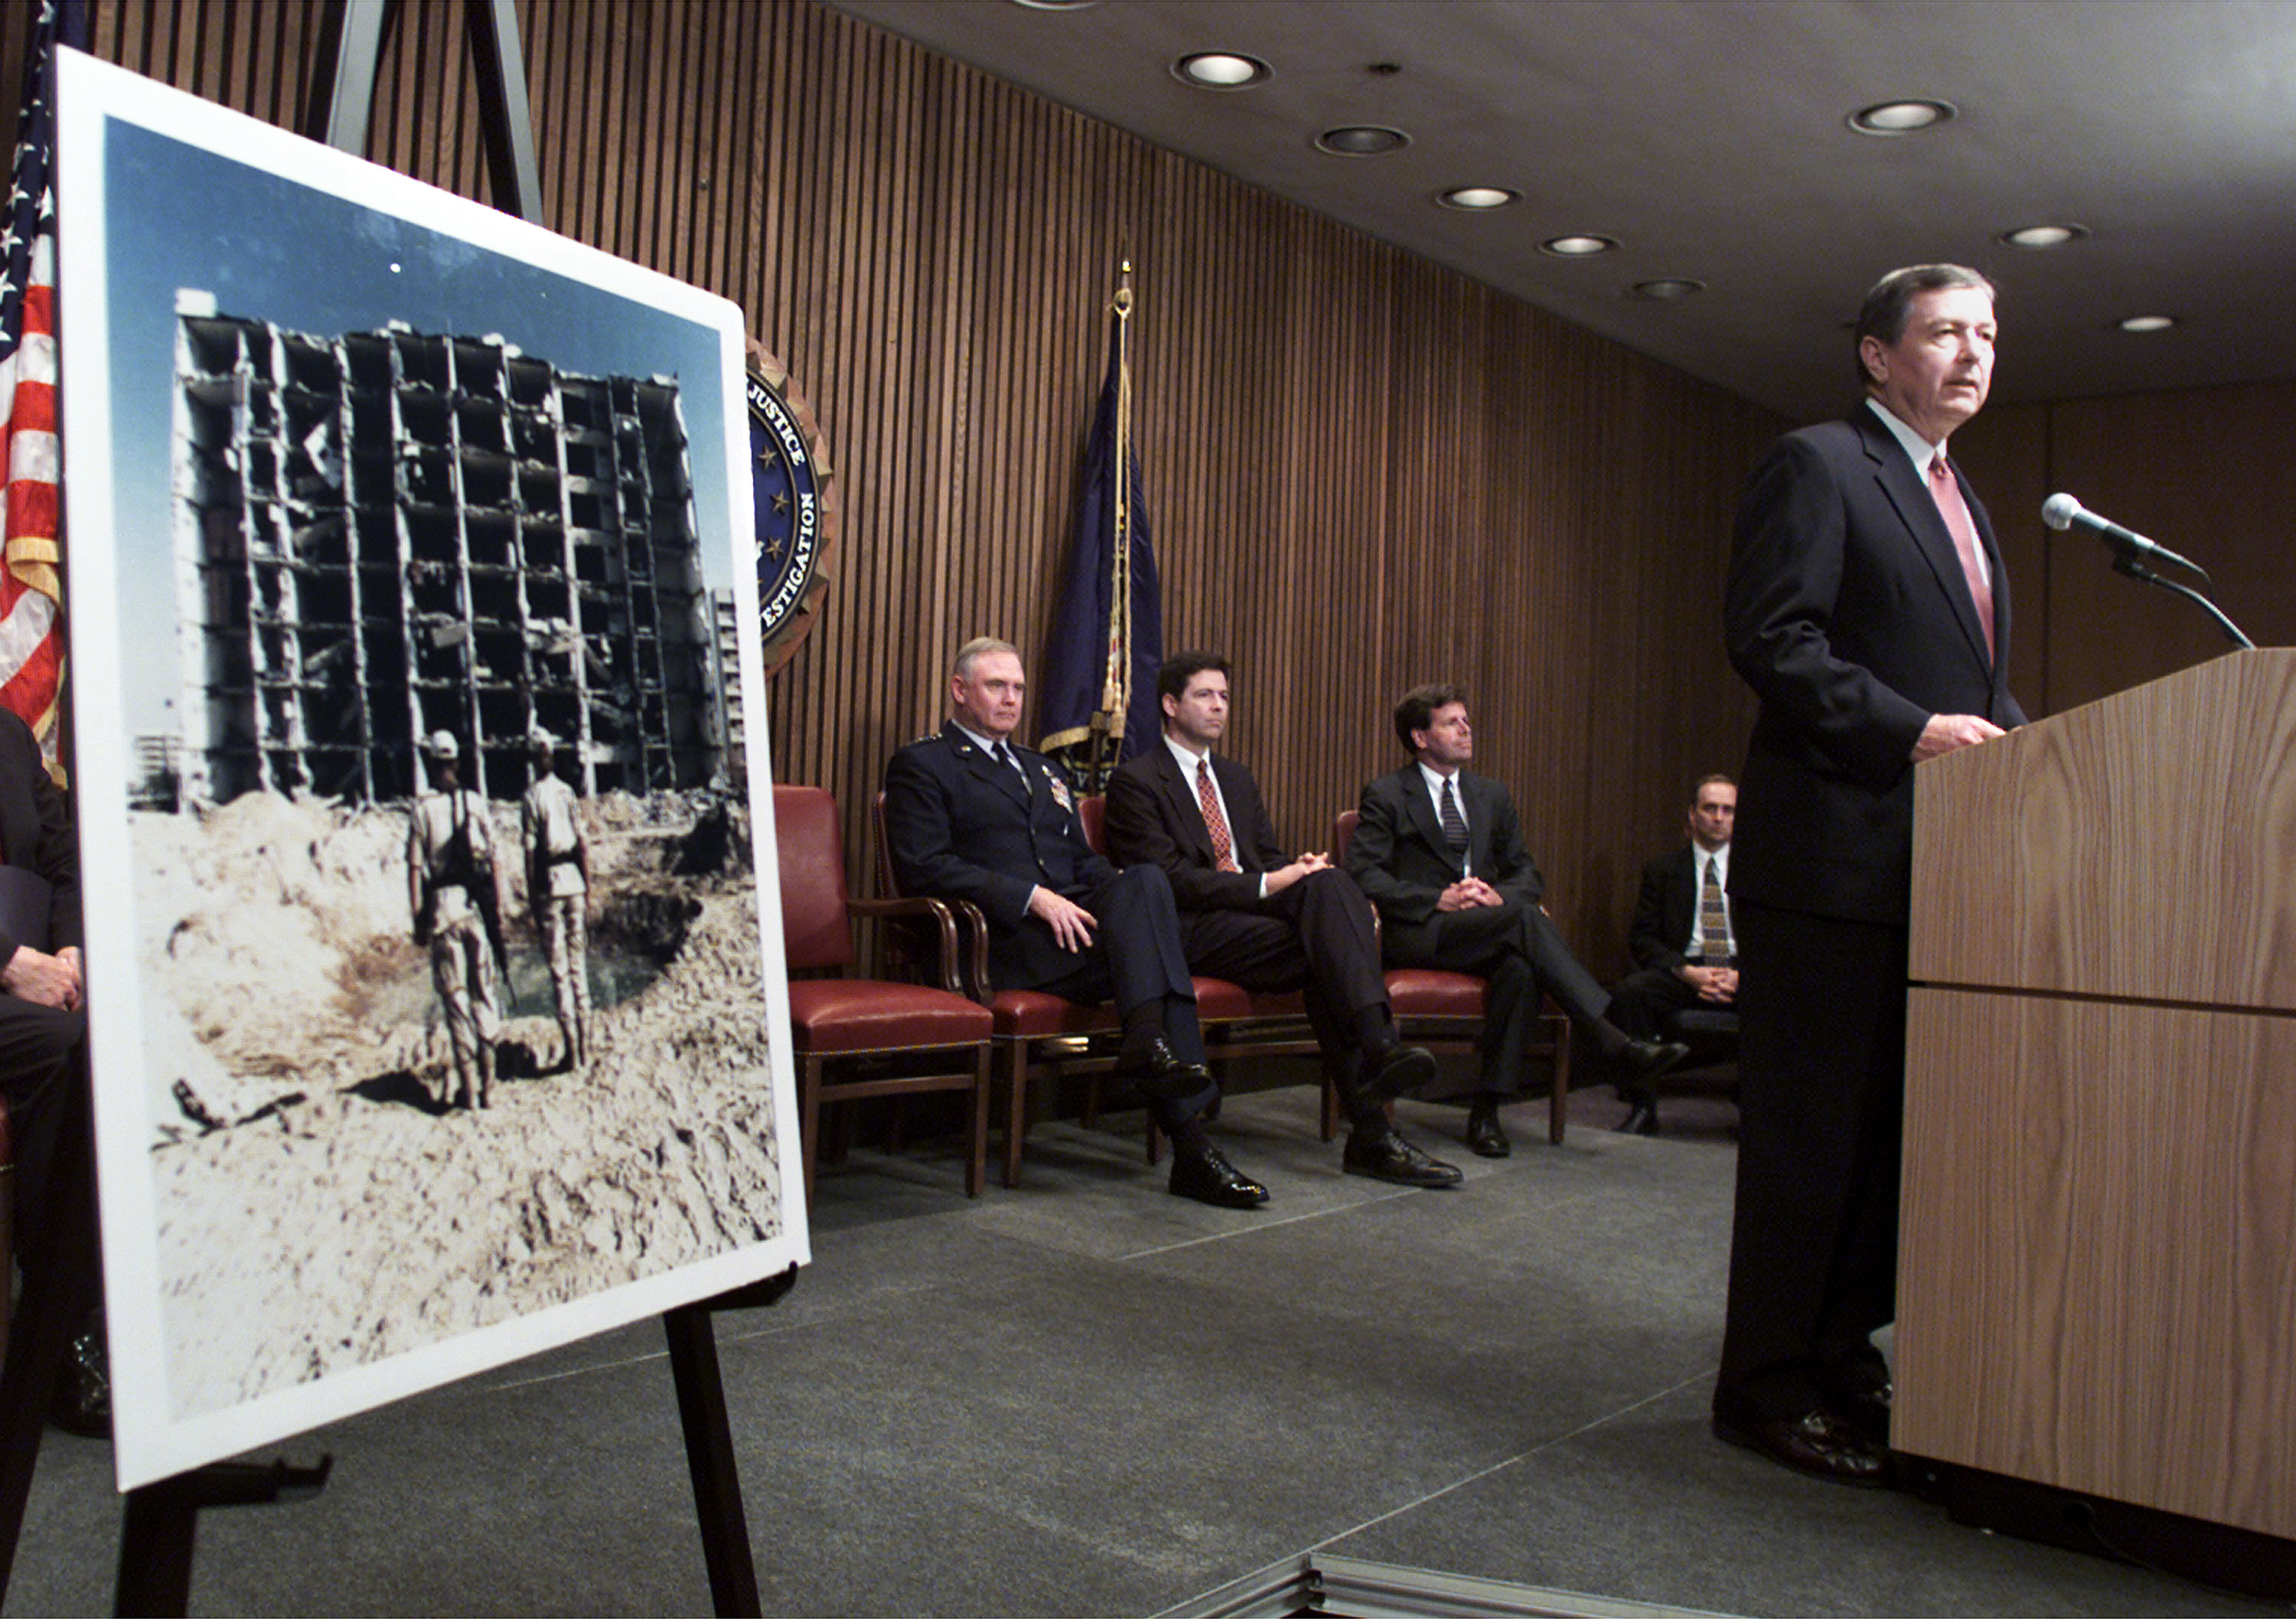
1848	614
1665	909
36	833
1403	862
1155	818
959	826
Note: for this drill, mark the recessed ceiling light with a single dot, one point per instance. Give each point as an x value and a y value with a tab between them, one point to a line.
1361	140
1220	70
2043	235
1055	5
2147	323
1668	286
1899	117
1478	199
1577	247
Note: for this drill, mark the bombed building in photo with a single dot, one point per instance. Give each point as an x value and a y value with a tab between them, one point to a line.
385	534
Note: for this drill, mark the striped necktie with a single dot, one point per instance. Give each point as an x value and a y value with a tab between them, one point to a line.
1454	825
1714	916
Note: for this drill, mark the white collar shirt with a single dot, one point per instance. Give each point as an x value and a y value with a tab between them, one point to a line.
993	747
1921	452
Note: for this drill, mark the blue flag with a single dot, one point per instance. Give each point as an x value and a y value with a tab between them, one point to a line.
1107	642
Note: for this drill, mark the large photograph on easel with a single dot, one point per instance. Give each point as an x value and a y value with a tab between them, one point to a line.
437	1009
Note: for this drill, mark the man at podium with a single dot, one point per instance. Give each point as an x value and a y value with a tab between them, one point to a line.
1867	608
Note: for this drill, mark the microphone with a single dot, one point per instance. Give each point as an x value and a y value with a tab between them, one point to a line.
2061	512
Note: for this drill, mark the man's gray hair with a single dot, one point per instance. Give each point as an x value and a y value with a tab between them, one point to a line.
976	649
1887	305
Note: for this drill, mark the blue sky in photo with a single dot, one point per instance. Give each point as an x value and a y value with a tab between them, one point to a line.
270	247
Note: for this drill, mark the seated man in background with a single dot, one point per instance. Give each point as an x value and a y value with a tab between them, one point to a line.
1680	940
1441	853
44	1076
1253	913
971	815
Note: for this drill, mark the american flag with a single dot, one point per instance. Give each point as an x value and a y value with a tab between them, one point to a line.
31	581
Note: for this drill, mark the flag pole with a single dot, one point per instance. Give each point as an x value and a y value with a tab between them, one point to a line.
1106	636
1108	727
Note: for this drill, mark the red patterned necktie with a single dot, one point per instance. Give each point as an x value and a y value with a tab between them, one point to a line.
1945	489
1207	796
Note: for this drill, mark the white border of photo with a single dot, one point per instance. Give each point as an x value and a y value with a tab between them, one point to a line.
152	1443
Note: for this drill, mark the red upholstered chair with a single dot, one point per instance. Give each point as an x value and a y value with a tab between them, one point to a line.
1443	1011
884	1032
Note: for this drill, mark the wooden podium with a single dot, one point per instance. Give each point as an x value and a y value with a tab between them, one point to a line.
2097	1260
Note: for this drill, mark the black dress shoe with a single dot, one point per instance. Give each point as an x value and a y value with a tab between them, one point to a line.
1392	1070
1199	1171
1813	1443
1160	1076
1385	1156
1485	1135
1642	1111
1639	1062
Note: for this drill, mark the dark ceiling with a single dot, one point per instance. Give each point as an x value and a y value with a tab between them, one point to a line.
1710	138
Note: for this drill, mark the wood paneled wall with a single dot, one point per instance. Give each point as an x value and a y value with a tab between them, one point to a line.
1363	471
2208	472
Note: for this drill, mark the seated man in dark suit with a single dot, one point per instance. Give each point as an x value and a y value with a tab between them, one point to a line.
1252	914
970	816
1441	853
43	1072
1680	940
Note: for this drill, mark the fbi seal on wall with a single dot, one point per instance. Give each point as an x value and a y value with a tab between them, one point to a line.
792	487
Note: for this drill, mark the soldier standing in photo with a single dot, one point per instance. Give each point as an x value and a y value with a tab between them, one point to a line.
557	890
454	885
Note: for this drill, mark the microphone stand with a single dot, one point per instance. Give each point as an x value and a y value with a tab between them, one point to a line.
2126	563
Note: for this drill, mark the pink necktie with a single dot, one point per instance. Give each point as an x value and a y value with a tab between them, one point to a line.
1945	489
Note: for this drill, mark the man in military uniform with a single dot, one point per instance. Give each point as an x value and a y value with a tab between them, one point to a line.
557	890
453	886
970	816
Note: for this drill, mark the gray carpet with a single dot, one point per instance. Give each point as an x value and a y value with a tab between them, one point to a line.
1086	1397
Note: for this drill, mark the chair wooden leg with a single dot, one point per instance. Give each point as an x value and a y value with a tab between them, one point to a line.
808	1104
1016	1106
1558	1104
976	1160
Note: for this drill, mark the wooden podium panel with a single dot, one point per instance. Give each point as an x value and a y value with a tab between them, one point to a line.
2097	1289
2136	846
2097	1257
